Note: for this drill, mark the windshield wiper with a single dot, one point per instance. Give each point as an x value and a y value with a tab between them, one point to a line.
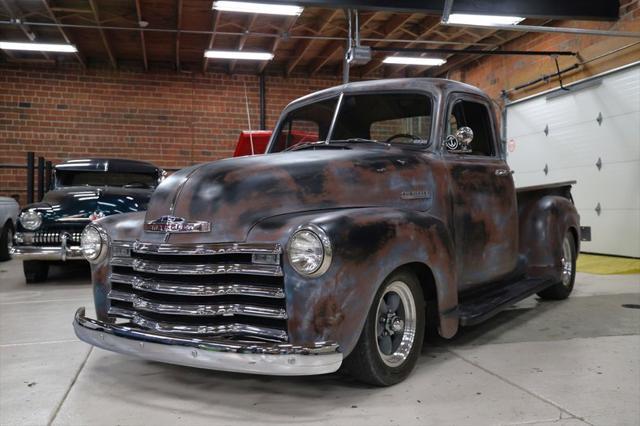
303	145
360	140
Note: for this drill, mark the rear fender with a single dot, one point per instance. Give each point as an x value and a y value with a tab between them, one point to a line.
544	221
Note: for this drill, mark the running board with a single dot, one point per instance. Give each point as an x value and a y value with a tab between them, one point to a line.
482	305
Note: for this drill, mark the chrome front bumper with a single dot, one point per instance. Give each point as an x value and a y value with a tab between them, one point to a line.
215	354
46	253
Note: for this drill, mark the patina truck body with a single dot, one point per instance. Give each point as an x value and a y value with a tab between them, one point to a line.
338	252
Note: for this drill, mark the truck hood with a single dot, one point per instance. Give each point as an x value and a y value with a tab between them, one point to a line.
234	194
81	202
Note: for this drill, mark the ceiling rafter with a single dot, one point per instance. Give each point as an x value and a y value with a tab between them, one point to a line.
334	46
243	39
143	44
289	23
462	60
28	33
63	33
398	70
103	35
427	24
303	45
390	27
214	25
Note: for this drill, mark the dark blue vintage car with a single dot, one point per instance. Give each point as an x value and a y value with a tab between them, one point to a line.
84	190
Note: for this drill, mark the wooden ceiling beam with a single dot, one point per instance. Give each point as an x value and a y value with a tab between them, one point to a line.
28	33
392	26
63	33
465	59
214	26
289	23
395	70
332	47
143	44
243	40
428	25
103	36
303	45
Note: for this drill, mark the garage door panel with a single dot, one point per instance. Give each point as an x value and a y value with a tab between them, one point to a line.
610	232
589	191
573	146
616	95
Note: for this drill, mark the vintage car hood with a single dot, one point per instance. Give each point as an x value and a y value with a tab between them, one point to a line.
234	194
81	201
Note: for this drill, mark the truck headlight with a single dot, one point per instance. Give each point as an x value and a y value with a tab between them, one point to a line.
309	250
94	243
31	220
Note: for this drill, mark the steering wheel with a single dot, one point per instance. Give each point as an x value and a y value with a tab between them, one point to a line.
403	135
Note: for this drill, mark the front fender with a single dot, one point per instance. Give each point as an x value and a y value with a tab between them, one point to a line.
368	245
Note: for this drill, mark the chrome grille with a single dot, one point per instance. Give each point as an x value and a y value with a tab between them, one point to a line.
205	289
46	238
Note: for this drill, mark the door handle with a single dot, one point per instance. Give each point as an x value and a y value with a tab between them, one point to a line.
504	172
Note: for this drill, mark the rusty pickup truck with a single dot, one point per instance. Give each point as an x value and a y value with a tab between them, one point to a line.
338	252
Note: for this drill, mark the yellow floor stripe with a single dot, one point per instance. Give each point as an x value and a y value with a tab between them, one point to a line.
607	265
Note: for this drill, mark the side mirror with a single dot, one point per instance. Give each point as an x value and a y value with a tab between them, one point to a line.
459	142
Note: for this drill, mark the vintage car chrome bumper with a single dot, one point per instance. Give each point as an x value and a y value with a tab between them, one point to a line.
215	354
47	253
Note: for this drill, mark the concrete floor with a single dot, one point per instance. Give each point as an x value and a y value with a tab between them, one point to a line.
563	363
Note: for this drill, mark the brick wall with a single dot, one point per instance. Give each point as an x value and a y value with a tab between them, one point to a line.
170	119
496	73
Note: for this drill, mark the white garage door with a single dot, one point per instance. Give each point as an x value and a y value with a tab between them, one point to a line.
590	134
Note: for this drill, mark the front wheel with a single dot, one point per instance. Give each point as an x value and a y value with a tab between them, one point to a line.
35	271
562	290
391	340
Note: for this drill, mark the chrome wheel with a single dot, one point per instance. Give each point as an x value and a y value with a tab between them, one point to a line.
396	324
567	262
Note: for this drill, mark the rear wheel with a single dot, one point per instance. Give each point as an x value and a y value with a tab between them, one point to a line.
391	339
6	241
563	289
35	271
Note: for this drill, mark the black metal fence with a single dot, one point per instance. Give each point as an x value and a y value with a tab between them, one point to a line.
43	170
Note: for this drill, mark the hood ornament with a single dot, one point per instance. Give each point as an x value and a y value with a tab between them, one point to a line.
176	225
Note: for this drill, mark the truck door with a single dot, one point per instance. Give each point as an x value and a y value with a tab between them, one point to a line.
483	199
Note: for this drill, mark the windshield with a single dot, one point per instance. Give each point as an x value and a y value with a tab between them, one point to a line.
91	178
391	117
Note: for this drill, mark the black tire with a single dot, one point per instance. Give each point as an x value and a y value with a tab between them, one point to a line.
6	241
35	271
562	290
365	362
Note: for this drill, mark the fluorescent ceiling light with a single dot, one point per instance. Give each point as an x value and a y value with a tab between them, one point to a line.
38	47
246	7
413	60
234	54
464	18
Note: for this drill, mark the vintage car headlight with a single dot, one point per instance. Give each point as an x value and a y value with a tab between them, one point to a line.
94	243
31	220
309	250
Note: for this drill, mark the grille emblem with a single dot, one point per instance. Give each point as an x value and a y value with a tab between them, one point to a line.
176	225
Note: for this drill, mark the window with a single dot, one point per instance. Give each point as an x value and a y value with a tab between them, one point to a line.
476	116
309	123
407	116
393	117
90	178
